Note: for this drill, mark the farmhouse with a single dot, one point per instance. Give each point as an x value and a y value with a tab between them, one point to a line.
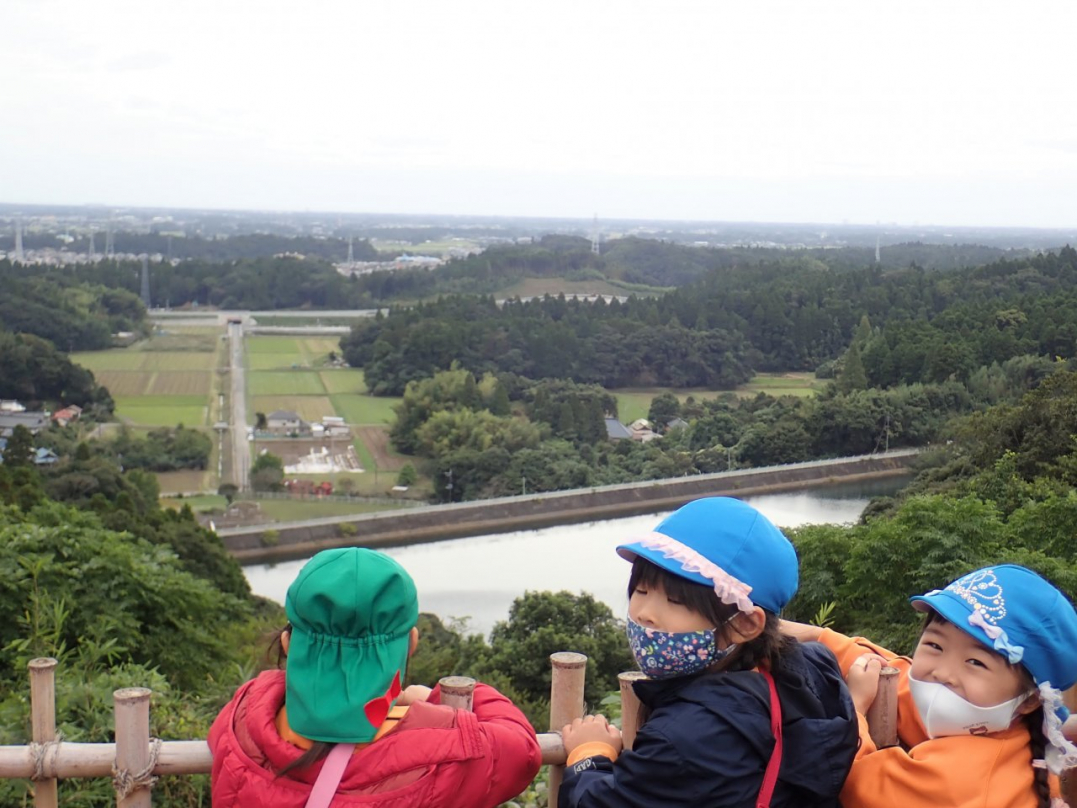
284	421
615	430
67	415
34	421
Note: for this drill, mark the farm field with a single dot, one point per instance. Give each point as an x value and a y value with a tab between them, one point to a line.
360	409
165	380
344	380
292	510
155	411
186	481
635	403
284	383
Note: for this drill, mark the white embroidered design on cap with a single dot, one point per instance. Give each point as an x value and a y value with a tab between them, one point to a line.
982	591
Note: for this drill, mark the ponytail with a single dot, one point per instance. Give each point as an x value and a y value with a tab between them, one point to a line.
1038	743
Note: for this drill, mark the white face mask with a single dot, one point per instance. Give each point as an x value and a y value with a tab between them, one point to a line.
945	713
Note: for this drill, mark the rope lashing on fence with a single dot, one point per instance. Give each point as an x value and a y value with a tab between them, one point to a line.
40	751
124	782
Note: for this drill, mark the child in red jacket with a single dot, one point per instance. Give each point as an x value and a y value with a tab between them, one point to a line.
979	704
335	729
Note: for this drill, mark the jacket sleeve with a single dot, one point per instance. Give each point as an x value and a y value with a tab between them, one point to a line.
510	756
650	774
689	757
849	649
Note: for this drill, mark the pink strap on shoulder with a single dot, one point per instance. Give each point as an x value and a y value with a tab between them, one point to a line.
325	787
770	776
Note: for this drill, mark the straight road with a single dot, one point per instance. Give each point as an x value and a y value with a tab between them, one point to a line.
241	448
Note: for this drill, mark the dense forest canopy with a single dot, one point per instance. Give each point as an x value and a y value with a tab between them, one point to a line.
928	327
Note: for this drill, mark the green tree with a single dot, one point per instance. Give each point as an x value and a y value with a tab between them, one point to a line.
267	472
407	475
19	452
543	623
664	408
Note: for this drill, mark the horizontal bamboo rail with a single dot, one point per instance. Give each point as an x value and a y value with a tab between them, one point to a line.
136	760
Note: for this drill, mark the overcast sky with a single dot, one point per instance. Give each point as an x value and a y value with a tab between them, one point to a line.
945	111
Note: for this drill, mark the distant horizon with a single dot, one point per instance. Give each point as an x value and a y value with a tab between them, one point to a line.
583	220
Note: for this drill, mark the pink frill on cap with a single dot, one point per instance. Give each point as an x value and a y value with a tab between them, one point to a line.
726	587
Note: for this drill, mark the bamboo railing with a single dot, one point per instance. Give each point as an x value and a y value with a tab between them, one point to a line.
135	760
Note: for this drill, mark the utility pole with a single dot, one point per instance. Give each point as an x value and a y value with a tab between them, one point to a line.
523	486
449	486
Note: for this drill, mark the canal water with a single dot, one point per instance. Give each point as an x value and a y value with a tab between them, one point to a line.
477	579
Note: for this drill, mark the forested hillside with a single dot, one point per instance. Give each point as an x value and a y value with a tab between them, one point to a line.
922	327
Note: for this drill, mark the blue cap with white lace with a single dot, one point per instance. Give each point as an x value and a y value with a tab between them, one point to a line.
1017	613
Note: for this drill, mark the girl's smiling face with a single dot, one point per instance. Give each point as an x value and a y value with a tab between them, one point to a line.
949	656
651	607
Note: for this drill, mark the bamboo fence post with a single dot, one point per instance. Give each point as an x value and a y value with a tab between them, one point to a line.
132	774
43	726
457	691
629	706
882	715
566	703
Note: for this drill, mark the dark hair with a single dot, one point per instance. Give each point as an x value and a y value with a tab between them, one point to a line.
320	749
1033	720
766	650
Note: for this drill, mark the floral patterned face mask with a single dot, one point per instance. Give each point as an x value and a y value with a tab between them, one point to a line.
665	654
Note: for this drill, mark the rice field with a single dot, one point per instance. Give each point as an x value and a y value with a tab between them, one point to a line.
163	410
360	409
284	383
180	383
343	380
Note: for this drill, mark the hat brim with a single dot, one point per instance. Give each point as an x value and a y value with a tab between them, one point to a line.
631	550
953	610
329	682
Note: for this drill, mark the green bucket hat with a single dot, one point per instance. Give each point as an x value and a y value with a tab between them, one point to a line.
352	611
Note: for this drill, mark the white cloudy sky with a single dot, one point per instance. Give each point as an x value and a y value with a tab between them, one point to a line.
931	111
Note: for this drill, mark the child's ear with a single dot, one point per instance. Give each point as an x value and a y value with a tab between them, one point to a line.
413	640
1029	705
746	626
285	640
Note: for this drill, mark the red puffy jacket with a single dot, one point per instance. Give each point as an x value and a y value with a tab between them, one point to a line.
436	757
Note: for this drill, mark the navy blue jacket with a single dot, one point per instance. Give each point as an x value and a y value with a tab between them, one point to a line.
708	741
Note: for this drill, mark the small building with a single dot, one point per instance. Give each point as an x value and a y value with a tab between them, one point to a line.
45	457
67	415
676	423
34	421
284	421
615	430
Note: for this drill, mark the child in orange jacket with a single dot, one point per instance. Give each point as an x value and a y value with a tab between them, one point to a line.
980	708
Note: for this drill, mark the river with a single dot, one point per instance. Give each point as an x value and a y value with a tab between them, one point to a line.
477	579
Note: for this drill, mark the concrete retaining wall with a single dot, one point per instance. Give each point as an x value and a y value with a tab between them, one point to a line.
252	545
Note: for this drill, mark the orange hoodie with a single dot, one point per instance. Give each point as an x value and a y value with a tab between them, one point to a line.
986	771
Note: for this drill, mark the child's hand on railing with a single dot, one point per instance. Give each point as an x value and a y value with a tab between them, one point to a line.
863	680
414	693
590	729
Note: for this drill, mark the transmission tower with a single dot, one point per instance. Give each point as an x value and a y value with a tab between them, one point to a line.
595	237
878	254
145	281
110	248
92	252
351	255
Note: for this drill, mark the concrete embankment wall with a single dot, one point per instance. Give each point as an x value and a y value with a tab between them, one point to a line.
250	545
